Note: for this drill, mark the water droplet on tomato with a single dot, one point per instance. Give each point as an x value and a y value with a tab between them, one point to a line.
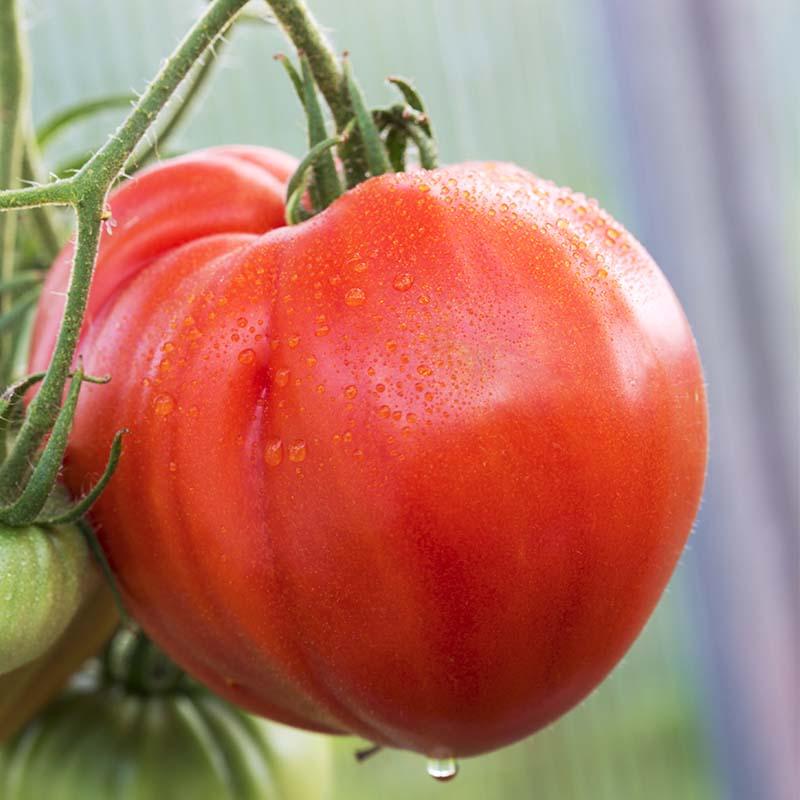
350	392
322	330
424	370
601	274
273	452
384	412
297	451
282	376
164	404
403	282
442	769
241	322
355	297
247	356
293	341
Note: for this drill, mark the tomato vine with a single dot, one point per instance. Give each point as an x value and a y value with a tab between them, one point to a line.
85	192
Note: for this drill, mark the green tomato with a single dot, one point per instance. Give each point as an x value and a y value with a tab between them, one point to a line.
45	573
112	743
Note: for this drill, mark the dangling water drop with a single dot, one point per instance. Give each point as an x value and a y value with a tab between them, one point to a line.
442	769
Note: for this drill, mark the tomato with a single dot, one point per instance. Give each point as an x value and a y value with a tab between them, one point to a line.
45	574
418	468
100	741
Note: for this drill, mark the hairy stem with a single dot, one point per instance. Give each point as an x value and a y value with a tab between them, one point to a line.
196	81
13	98
87	191
108	162
307	37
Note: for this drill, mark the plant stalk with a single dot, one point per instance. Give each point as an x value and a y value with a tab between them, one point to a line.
87	191
308	38
13	105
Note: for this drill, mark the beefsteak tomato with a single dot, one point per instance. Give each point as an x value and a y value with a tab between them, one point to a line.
418	468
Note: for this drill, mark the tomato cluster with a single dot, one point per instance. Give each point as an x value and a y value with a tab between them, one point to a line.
418	468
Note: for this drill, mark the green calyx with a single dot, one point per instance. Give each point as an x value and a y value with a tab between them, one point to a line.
382	136
33	498
131	661
111	735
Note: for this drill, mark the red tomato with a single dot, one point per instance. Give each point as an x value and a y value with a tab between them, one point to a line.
418	468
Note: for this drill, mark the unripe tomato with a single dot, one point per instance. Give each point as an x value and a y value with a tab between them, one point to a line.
45	574
418	468
103	743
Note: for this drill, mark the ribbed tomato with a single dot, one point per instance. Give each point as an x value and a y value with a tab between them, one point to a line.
418	468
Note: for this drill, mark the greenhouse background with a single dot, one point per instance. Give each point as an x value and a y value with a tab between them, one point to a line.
681	117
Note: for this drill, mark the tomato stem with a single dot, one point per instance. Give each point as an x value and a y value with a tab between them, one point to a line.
307	37
86	191
13	107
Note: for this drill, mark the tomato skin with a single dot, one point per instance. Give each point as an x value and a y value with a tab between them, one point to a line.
418	468
45	576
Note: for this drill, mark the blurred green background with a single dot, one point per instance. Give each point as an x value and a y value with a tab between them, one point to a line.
681	117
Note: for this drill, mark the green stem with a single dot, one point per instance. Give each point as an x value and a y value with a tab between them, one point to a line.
326	180
297	183
45	407
196	83
13	98
87	190
377	158
103	168
307	37
58	193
